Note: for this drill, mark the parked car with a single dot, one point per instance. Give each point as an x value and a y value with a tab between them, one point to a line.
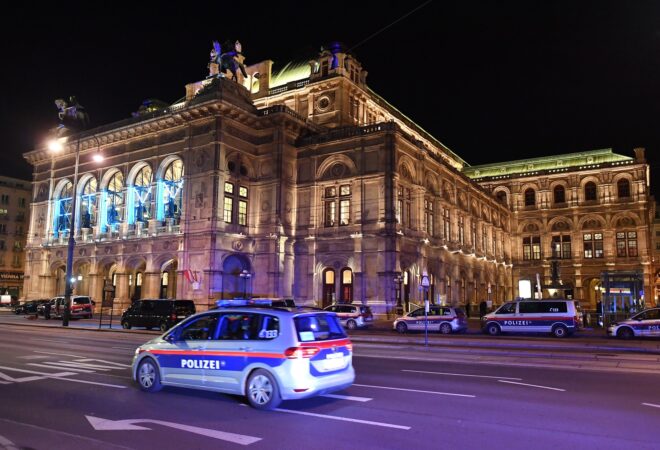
352	316
81	307
559	317
443	319
30	306
156	313
645	323
293	353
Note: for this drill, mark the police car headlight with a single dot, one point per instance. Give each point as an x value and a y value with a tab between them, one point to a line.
138	351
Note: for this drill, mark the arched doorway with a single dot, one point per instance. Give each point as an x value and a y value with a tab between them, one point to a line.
328	287
233	284
168	287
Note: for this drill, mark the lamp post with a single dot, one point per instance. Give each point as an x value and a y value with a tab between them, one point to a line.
398	280
72	118
246	276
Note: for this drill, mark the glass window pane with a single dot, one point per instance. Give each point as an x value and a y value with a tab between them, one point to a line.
345	190
242	191
229	188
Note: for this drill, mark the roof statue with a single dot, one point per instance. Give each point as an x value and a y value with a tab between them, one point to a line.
72	115
229	61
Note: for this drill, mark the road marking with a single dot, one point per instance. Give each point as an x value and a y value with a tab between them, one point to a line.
124	348
117	365
59	354
77	365
651	404
347	397
94	382
461	374
100	424
6	444
53	365
34	372
344	419
533	385
414	390
32	357
56	341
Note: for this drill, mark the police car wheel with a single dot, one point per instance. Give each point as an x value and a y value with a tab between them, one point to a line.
351	325
401	327
164	327
625	333
148	376
493	329
445	328
125	325
262	390
560	331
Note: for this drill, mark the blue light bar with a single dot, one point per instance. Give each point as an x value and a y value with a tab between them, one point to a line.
228	303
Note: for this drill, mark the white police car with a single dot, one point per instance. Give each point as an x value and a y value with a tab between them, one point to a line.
646	323
267	354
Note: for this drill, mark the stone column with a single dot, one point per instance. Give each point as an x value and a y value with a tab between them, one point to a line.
151	285
121	292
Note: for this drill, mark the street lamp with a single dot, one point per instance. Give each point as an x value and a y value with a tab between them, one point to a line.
246	276
398	280
72	118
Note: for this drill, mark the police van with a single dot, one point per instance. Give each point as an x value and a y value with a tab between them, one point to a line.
265	353
556	316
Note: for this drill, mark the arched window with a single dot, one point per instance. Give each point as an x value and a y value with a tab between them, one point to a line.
63	210
115	200
346	285
88	204
142	190
173	190
328	287
590	191
501	197
530	197
560	194
623	188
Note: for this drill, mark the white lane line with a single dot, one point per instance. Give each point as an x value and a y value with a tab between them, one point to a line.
344	419
651	405
461	374
59	354
414	390
54	366
116	364
124	348
33	357
94	382
82	365
6	444
34	372
533	385
347	397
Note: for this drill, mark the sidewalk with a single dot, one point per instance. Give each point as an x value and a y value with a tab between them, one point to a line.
381	334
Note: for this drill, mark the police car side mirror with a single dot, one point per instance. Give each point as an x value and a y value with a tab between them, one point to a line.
171	338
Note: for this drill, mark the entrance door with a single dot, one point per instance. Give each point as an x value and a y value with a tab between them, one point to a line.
328	287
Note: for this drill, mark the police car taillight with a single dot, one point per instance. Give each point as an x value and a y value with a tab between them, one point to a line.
349	346
301	352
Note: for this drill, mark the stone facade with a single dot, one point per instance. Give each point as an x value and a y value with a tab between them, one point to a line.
590	211
299	183
14	208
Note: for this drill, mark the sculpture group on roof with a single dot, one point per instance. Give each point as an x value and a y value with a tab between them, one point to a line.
72	115
229	61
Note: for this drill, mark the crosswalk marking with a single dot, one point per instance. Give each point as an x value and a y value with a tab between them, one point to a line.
55	366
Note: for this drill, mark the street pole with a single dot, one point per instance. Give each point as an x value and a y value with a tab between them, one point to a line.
72	242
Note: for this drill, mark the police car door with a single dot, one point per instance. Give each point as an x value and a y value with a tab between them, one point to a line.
232	345
415	320
183	360
651	323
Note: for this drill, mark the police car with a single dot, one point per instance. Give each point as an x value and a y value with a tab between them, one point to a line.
265	353
646	323
559	317
443	319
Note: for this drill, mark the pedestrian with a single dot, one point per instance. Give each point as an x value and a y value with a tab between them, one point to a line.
467	310
47	311
483	308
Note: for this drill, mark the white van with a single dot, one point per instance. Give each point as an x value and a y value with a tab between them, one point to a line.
556	316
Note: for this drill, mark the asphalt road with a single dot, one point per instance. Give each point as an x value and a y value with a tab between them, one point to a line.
58	386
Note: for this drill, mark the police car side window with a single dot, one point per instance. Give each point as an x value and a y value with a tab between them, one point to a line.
417	312
530	307
246	326
200	329
508	308
554	307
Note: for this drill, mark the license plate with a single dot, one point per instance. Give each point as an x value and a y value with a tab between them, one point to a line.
334	361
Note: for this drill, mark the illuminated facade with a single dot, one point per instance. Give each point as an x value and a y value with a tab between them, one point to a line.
591	212
14	208
302	178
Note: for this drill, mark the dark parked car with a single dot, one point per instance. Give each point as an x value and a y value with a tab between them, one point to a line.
156	313
29	307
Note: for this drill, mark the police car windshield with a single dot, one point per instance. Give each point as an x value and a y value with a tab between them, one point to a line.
318	327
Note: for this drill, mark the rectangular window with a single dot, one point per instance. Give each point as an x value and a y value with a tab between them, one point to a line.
621	244
345	190
474	234
242	213
593	245
330	192
344	212
532	248
447	224
428	210
229	188
243	192
632	243
536	247
461	229
561	247
229	206
626	243
484	237
21	202
4	199
330	213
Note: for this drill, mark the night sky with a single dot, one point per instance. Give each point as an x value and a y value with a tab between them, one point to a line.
492	80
